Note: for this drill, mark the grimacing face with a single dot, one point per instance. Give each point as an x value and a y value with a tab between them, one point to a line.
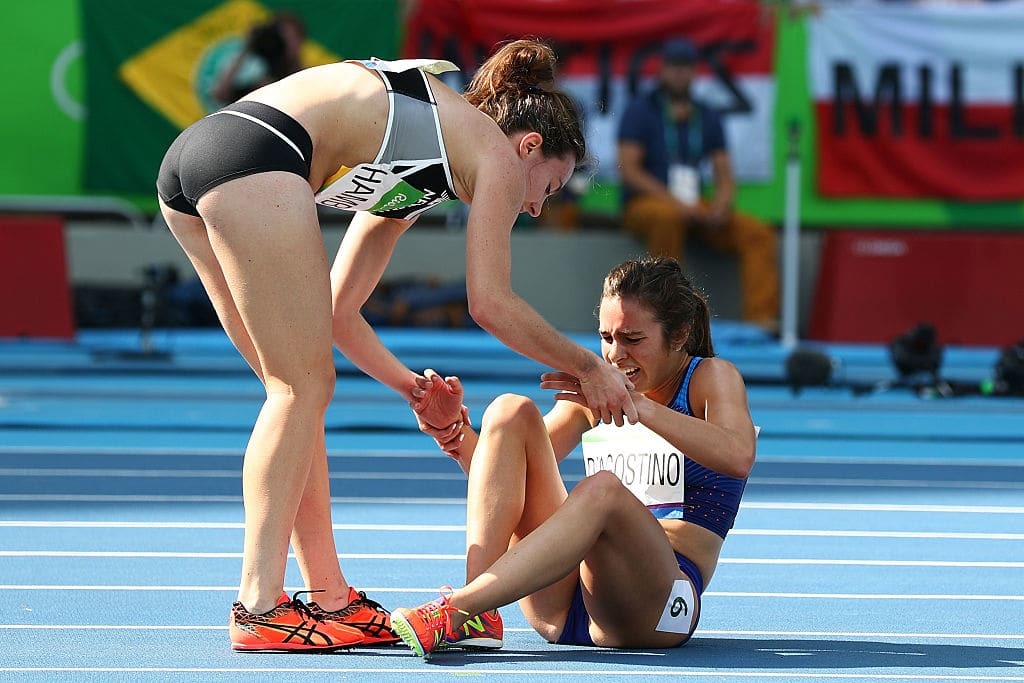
633	341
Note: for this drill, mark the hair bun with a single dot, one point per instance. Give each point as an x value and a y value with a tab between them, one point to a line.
507	86
531	65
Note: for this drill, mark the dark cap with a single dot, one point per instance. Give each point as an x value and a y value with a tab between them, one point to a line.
678	51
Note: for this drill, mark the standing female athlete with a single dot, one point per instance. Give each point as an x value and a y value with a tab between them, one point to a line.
239	191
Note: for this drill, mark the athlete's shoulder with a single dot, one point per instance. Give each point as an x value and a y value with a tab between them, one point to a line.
716	370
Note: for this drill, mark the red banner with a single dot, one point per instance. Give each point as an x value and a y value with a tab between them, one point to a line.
616	32
608	49
875	285
35	294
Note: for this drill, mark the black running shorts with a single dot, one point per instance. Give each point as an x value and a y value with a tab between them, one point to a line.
239	140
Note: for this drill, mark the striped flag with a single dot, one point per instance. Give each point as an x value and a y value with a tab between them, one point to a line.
919	100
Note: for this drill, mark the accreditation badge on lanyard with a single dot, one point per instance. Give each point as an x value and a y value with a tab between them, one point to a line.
648	465
683	173
684	183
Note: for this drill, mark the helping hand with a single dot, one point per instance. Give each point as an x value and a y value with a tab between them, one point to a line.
449	438
437	401
606	393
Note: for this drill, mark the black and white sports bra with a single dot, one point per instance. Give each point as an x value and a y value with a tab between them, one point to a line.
410	173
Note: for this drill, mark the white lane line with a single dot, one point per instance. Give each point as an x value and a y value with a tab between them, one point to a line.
71	524
884	483
82	472
120	498
359	453
519	672
163	554
713	594
848	533
968	462
424	454
421	528
509	629
126	473
857	634
886	507
863	596
369	500
872	563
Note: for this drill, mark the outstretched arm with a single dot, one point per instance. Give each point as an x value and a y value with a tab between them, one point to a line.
358	267
500	311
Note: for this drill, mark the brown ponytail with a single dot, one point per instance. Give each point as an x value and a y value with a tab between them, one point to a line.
515	87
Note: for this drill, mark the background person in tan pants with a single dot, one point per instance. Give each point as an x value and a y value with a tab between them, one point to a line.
664	137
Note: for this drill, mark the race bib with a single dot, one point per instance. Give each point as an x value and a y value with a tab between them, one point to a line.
368	187
680	613
648	465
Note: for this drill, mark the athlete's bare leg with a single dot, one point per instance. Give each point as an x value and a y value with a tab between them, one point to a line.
265	241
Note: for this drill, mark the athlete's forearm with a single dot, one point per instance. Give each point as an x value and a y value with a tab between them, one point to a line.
359	343
516	324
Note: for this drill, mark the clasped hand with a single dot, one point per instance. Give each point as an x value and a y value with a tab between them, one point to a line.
439	410
606	393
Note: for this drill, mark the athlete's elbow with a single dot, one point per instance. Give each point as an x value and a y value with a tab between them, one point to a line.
342	323
741	464
486	311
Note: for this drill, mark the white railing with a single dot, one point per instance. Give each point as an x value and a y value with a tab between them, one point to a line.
72	204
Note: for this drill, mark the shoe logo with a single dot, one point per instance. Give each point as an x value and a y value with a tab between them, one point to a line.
307	634
376	626
477	623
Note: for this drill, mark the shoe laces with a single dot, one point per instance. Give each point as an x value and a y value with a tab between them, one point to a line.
435	612
301	607
351	608
362	600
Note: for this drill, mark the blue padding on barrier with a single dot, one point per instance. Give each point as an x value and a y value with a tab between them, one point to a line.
468	353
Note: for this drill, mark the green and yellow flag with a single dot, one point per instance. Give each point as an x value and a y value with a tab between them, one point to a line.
151	68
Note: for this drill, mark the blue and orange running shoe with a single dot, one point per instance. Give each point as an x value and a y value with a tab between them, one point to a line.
423	628
361	613
483	632
289	627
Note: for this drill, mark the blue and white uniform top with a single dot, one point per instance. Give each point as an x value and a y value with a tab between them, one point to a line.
671	485
410	173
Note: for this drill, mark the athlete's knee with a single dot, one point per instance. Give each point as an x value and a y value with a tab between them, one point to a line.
510	411
601	492
311	387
